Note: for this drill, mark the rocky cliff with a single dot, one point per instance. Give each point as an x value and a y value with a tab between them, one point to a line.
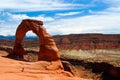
88	41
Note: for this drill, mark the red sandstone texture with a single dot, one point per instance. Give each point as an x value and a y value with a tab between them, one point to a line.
19	70
88	41
48	50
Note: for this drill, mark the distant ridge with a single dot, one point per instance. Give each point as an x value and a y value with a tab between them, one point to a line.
88	41
79	41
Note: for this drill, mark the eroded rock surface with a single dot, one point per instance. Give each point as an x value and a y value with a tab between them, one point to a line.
19	70
48	50
88	41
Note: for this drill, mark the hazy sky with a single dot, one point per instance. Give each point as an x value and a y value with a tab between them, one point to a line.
62	16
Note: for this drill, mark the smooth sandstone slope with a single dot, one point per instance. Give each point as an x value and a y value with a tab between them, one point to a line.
20	70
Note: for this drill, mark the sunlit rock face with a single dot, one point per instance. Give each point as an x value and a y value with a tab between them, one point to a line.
88	41
48	50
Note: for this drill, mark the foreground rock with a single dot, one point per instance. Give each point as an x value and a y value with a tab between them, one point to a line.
20	70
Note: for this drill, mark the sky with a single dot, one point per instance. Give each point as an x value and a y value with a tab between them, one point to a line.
62	17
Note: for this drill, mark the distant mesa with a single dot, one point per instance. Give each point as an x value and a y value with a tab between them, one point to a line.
88	41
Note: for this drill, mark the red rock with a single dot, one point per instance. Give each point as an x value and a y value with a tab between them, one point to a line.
88	41
19	70
48	50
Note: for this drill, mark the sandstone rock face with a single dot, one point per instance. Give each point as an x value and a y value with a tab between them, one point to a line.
48	50
88	41
19	70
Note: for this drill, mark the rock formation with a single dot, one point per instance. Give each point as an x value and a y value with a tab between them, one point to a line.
88	41
20	70
77	41
48	50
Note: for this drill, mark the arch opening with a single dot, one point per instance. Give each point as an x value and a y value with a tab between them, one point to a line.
31	45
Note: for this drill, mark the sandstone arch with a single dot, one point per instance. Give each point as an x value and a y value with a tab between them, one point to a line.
48	50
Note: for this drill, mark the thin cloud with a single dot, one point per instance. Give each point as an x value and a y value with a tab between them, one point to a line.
88	24
19	17
68	14
37	5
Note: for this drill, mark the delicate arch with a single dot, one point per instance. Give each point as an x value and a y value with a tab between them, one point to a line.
48	50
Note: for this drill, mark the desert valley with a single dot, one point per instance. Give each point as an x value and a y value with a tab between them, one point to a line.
90	56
